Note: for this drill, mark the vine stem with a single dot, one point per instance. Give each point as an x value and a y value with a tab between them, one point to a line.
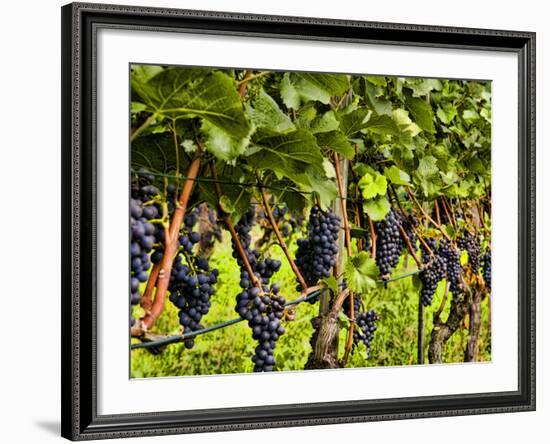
244	83
170	249
349	341
451	210
372	239
147	299
446	211
427	216
227	220
439	310
410	247
254	76
420	238
343	203
282	242
339	301
143	127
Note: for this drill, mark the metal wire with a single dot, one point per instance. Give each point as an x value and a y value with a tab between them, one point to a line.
180	338
240	184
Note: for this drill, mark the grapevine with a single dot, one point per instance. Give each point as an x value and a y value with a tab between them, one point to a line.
367	196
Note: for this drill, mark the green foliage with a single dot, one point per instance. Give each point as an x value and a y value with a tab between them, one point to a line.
361	273
429	136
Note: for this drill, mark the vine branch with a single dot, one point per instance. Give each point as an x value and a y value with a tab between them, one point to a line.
280	239
170	250
227	220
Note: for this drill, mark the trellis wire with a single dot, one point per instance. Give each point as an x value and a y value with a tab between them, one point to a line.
180	338
229	182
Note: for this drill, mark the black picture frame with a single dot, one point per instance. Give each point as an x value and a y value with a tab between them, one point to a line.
80	420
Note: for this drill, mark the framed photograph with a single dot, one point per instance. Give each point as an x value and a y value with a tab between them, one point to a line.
279	221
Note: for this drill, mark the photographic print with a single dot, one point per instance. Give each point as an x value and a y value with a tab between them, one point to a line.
273	221
289	221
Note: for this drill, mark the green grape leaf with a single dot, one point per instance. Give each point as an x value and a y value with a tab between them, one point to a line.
336	141
446	113
193	92
377	208
401	117
142	73
380	106
372	185
383	125
287	154
156	152
221	144
397	176
331	283
470	116
360	272
325	123
377	80
421	87
301	87
354	121
264	113
226	204
137	107
427	167
422	113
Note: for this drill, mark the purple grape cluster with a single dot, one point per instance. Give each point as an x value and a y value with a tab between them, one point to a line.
471	245
486	269
435	269
267	267
389	244
142	233
454	268
365	323
261	307
316	254
192	282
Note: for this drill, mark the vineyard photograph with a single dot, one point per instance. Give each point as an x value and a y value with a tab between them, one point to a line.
289	221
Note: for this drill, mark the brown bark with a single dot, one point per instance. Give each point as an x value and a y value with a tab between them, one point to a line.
324	341
442	331
472	346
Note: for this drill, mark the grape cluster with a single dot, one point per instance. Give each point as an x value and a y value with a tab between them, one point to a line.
454	268
470	244
142	233
356	306
316	254
486	269
191	283
265	268
388	244
433	272
263	309
364	321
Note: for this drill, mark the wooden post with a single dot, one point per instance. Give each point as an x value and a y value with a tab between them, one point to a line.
420	334
324	341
